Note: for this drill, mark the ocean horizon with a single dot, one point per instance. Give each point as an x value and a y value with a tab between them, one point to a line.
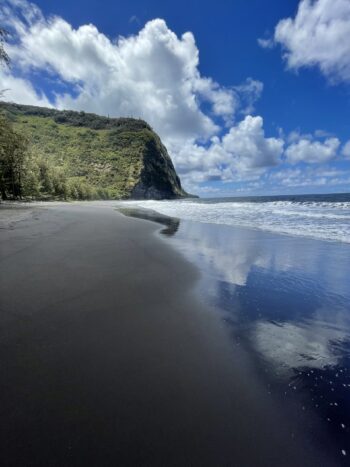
320	216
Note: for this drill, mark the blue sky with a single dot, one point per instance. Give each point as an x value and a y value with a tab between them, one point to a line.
253	99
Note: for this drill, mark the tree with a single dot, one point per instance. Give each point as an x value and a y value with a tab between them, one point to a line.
13	147
4	58
13	155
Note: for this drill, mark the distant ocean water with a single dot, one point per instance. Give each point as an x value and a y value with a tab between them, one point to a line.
324	217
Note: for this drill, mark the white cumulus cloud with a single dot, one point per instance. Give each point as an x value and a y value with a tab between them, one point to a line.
209	129
153	75
312	151
318	35
346	150
310	177
20	90
243	153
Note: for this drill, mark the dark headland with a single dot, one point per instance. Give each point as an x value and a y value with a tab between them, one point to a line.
68	155
108	358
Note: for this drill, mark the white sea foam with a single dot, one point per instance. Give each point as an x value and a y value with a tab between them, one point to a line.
320	220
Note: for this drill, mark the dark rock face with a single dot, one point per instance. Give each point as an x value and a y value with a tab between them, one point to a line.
158	178
142	191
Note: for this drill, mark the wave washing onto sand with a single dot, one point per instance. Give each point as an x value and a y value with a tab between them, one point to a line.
325	220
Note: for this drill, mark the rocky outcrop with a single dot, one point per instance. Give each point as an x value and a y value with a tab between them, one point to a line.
158	178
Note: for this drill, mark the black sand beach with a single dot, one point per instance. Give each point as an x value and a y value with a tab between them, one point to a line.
108	357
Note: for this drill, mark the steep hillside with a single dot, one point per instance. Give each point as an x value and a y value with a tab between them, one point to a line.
116	158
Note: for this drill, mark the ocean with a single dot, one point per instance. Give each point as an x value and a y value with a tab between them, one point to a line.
324	217
276	270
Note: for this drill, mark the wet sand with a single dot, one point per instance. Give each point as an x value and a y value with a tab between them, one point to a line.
108	357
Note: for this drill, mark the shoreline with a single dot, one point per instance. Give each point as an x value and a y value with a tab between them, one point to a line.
286	221
152	215
108	354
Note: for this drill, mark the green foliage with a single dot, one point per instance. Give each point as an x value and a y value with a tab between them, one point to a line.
75	155
77	119
13	150
75	162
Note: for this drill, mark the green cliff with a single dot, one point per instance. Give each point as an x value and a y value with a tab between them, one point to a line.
85	156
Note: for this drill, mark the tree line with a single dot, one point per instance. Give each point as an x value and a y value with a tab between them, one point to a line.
13	155
25	175
13	147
